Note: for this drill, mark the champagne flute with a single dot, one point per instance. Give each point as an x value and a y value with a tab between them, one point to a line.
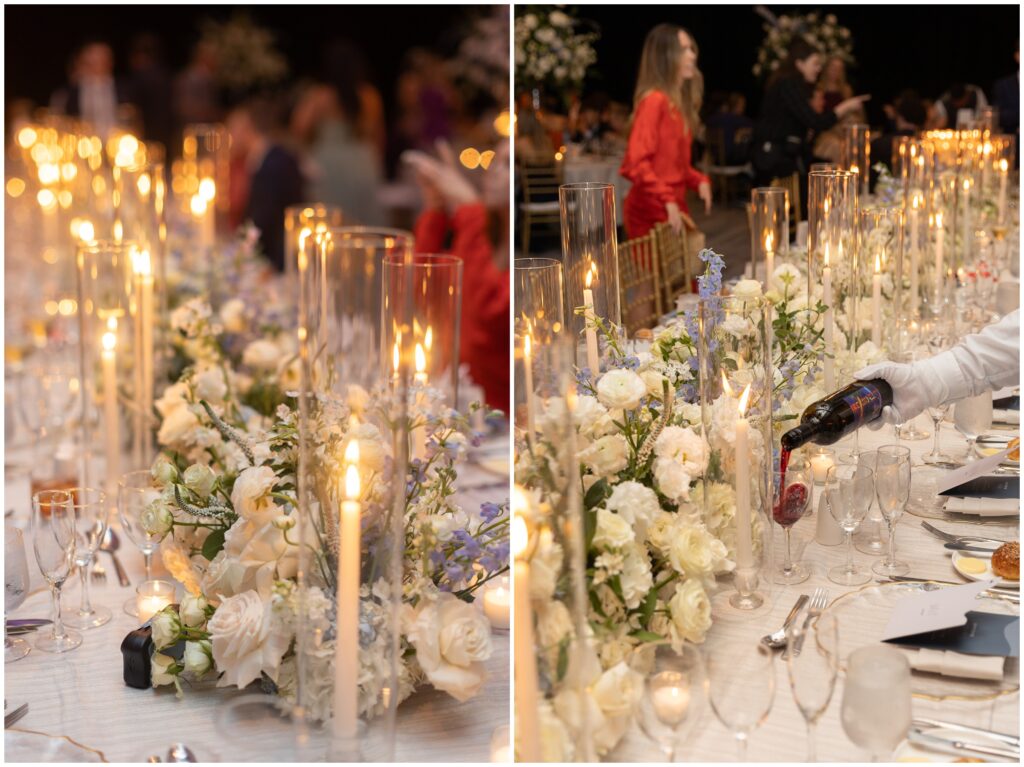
876	699
741	688
673	696
92	514
53	539
868	539
973	417
135	492
849	489
16	585
792	499
812	673
892	488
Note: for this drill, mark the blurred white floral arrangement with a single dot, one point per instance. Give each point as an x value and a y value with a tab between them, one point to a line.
551	51
481	63
247	56
821	30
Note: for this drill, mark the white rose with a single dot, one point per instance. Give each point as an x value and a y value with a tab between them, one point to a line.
243	644
745	289
162	669
156	519
452	640
250	496
223	577
635	503
613	532
556	743
163	471
165	626
685	446
621	389
693	552
618	691
691	612
232	314
671	479
607	456
261	354
198	657
193	610
176	425
660	531
199	479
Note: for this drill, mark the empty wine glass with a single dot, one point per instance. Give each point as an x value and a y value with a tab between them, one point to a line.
16	585
92	514
53	539
849	489
47	395
876	699
673	696
791	503
812	670
868	539
741	687
909	431
973	417
892	489
136	491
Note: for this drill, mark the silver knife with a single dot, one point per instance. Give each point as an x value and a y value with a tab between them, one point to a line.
960	746
1012	740
968	547
911	579
15	715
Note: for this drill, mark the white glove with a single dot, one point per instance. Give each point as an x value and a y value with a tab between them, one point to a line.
912	391
443	174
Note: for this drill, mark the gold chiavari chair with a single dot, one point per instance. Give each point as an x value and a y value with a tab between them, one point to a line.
674	269
539	182
639	283
791	184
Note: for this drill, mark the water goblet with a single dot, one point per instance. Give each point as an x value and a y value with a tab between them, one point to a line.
792	499
868	538
936	456
741	687
16	585
909	431
812	672
135	492
973	417
53	539
892	489
673	696
92	514
849	489
876	712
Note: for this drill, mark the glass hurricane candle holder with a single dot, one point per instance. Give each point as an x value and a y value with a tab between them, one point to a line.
304	221
591	270
880	282
736	395
153	596
206	167
855	154
769	230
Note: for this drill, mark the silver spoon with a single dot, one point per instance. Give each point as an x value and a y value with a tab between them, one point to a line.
778	638
179	752
111	543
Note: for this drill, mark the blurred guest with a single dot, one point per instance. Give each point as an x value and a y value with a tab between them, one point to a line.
341	168
781	133
729	118
59	98
150	86
666	105
453	207
959	96
196	96
347	72
1006	96
833	83
586	118
533	142
96	95
273	174
424	102
906	117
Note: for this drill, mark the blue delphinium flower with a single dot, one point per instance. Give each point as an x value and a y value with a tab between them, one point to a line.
489	511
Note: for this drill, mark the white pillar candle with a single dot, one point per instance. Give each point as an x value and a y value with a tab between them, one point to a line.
876	304
525	661
346	646
497	604
1004	173
744	543
966	247
826	280
593	358
531	404
419	432
821	461
111	422
671	703
940	239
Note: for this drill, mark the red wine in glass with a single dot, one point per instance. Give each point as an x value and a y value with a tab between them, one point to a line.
792	503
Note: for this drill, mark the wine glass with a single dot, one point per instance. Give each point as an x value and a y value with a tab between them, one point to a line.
892	489
53	539
908	431
812	671
868	539
792	499
16	585
92	514
973	417
136	491
876	699
46	395
741	688
673	696
849	489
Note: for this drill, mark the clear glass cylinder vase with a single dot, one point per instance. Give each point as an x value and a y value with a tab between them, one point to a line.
882	287
769	230
206	167
855	154
304	221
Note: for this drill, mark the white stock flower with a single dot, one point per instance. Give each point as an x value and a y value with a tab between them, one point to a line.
691	612
636	578
250	497
243	642
747	289
671	479
198	657
165	626
607	456
452	640
635	503
193	610
621	389
262	354
613	532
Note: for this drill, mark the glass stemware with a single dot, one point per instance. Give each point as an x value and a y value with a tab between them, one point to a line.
849	489
741	688
16	585
790	504
92	514
135	492
892	489
53	539
868	539
876	699
673	696
936	456
973	417
812	671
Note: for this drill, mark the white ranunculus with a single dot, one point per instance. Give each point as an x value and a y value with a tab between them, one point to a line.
685	446
250	496
621	389
654	381
243	642
193	610
659	532
262	354
160	666
671	479
635	503
690	611
165	626
786	279
199	479
592	418
211	386
689	412
176	425
745	289
607	456
613	532
198	658
452	640
695	553
232	314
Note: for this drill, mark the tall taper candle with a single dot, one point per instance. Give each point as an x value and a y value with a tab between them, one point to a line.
593	358
744	543
346	647
111	422
527	714
419	433
876	304
914	267
826	281
1004	169
940	239
530	399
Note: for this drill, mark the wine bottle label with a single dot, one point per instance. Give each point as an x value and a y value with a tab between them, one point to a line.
865	402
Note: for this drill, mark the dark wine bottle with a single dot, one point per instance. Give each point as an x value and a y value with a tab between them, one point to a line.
830	419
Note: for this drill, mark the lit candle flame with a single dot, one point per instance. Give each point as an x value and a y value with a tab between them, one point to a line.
394	357
768	241
352	470
878	263
527	346
743	400
938	219
198	205
591	275
725	385
428	338
421	359
140	263
1003	165
826	254
109	341
207	189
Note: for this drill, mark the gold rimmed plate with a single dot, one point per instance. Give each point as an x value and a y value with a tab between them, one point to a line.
31	746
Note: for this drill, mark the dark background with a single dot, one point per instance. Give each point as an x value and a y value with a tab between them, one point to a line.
40	39
924	47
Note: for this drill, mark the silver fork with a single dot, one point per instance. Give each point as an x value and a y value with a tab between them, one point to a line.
819	600
950	538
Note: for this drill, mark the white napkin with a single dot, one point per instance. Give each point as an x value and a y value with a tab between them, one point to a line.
948	663
984	507
1009	417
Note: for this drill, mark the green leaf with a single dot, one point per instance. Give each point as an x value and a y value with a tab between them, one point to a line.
596	494
647	636
563	659
213	544
647	608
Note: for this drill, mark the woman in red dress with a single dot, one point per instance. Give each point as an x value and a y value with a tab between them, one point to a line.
665	114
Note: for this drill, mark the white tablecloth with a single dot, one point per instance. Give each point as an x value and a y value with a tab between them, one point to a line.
81	694
783	736
601	170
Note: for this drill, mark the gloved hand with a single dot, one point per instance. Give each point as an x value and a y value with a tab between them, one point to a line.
443	174
912	390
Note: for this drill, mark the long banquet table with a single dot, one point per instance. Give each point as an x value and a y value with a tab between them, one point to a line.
81	694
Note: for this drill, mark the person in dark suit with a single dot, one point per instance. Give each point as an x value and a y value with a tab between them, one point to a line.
905	117
275	181
96	96
150	89
1006	96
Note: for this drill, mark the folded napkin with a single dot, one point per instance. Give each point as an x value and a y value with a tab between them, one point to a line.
1011	417
947	663
984	507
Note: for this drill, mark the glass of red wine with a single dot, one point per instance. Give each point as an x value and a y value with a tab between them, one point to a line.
792	500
